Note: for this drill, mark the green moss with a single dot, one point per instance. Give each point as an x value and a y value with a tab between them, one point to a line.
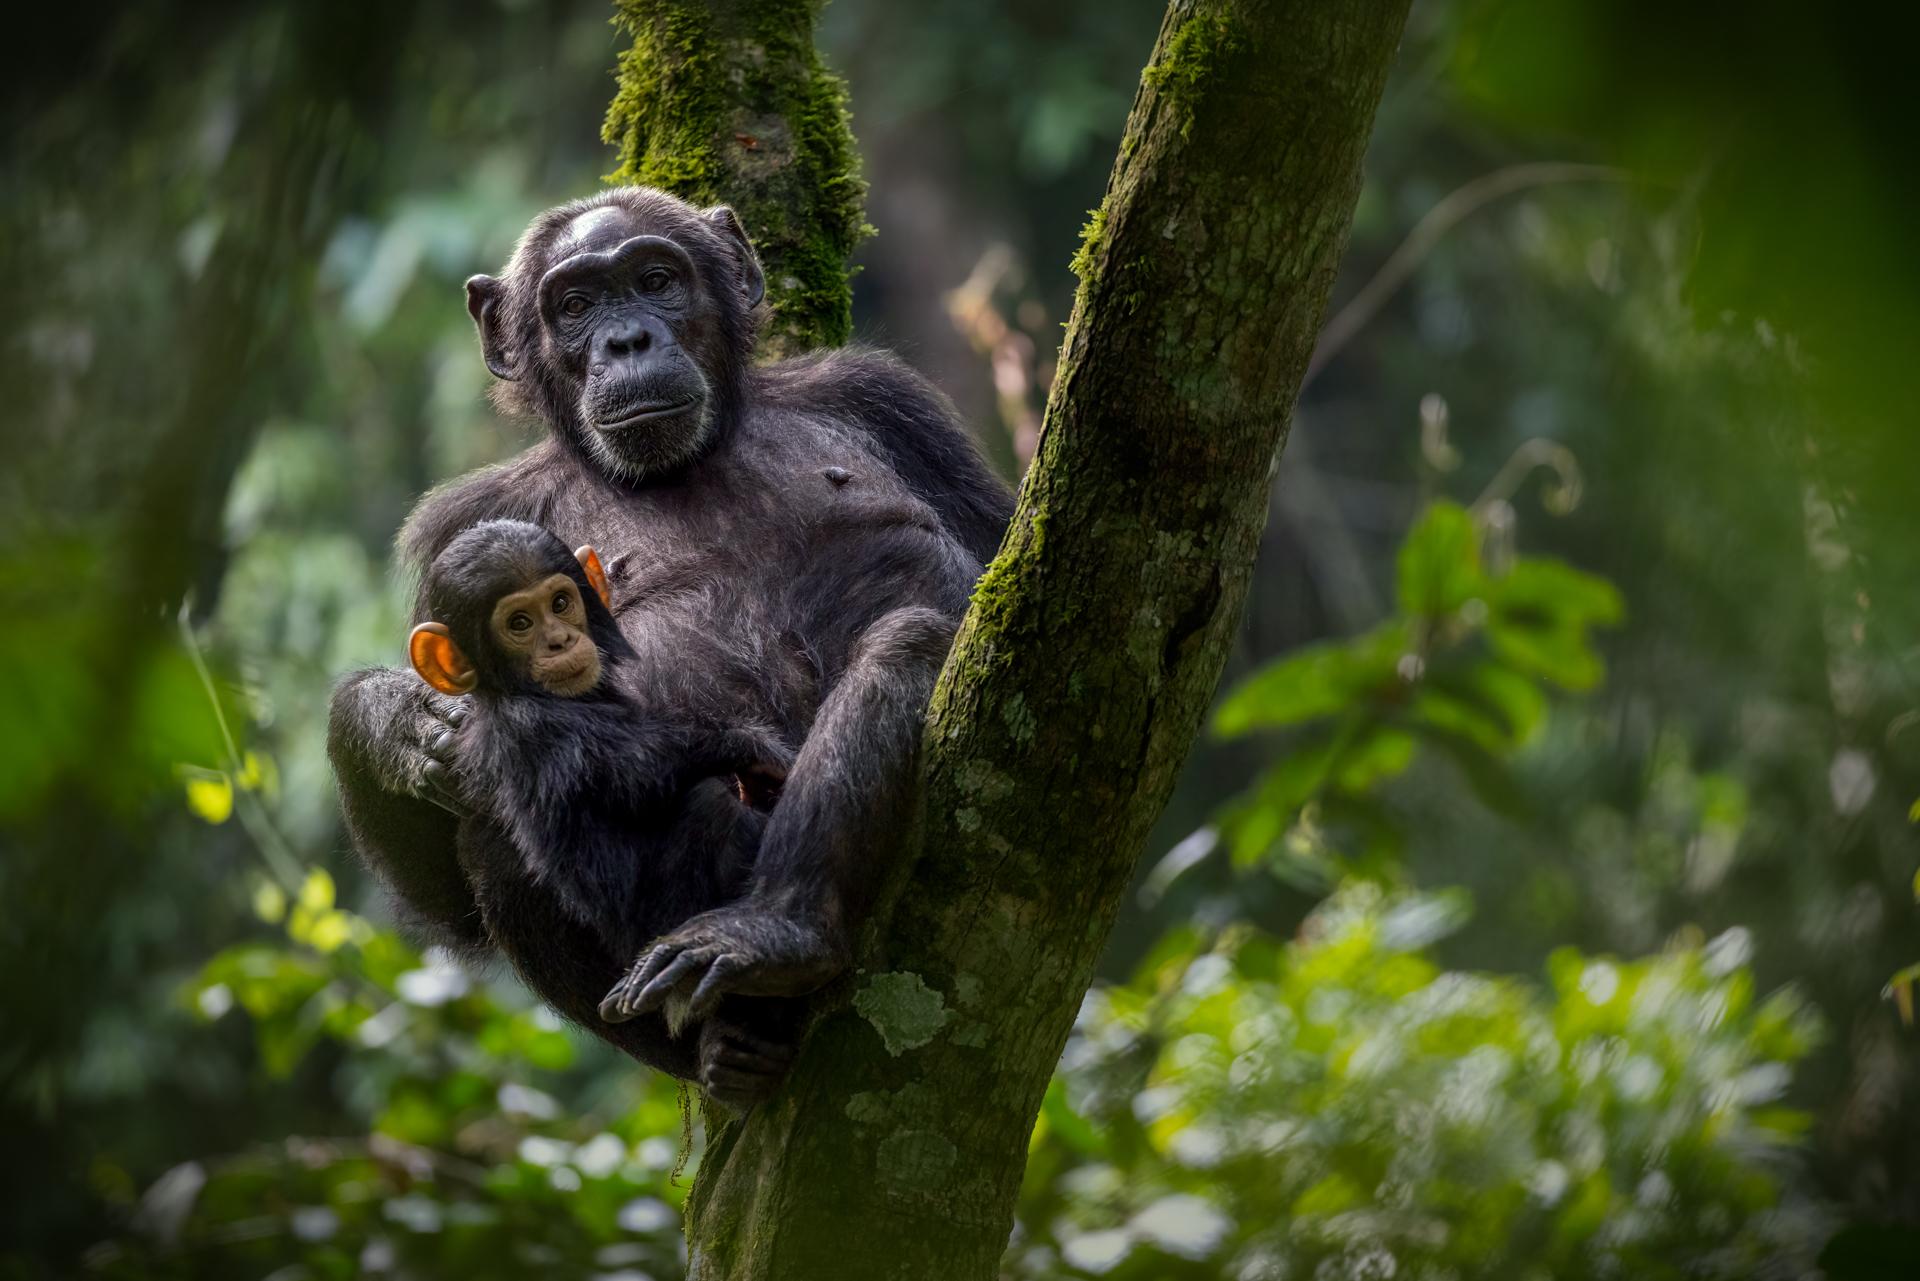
1090	237
727	102
1183	70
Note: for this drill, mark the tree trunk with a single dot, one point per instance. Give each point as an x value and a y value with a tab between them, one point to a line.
726	101
1081	675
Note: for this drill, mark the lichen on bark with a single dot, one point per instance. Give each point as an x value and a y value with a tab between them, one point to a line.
727	102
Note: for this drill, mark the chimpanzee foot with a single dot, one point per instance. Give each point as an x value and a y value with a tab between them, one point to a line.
742	948
738	1067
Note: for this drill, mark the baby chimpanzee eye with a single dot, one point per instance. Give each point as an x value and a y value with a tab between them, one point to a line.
560	602
520	622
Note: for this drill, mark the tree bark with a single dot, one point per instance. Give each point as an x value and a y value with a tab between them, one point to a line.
727	101
1079	679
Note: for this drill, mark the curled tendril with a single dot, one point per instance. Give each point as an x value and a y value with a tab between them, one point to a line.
1562	493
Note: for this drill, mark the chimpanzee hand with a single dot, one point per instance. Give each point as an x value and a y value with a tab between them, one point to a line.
740	1065
748	947
442	781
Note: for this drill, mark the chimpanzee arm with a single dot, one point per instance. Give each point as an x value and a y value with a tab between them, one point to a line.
917	430
843	805
383	722
378	731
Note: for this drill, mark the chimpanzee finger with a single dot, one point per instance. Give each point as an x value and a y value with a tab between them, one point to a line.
455	716
713	986
442	790
746	1060
440	747
780	1051
613	1006
655	993
651	962
737	1089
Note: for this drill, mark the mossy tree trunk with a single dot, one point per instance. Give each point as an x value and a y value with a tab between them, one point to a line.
1079	680
726	102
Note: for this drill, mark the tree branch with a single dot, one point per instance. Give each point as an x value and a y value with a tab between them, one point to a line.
726	101
1079	679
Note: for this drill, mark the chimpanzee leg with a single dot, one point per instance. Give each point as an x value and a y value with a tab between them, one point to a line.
563	960
747	1045
841	810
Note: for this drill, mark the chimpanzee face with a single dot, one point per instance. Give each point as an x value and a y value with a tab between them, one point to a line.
514	612
630	314
543	626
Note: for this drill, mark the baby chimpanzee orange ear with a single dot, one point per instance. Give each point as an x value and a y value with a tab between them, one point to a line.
439	661
590	561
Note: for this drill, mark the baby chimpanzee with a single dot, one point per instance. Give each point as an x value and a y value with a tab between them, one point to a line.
591	793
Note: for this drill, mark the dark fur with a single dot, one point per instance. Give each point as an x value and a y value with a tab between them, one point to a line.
590	789
801	569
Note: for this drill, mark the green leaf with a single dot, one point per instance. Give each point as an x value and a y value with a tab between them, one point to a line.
1439	566
1552	653
1437	709
1061	1119
1900	989
1317	681
1254	827
1555	589
1376	756
1515	698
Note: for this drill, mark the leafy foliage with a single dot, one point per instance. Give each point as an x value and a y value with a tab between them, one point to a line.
469	1159
1342	1106
1463	668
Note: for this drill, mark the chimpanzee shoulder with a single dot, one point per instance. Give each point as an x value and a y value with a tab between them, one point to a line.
912	425
522	488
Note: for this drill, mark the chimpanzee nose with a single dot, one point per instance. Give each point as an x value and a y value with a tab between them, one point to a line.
626	338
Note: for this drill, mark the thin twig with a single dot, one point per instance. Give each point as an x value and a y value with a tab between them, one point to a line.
273	847
1454	208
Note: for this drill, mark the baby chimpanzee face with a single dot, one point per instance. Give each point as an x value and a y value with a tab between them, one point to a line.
545	627
514	612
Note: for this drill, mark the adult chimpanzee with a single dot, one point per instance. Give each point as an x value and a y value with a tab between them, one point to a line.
793	546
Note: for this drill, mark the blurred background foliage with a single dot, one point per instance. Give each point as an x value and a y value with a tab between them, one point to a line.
1541	903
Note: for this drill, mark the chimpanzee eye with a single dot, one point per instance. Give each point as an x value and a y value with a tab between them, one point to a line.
520	622
575	305
656	280
560	603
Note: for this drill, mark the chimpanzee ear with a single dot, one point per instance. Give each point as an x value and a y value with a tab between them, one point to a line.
484	296
439	661
590	561
752	280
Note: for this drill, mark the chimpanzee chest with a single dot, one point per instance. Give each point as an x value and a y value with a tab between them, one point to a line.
746	580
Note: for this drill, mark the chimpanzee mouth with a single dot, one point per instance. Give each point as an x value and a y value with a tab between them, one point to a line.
571	679
645	414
